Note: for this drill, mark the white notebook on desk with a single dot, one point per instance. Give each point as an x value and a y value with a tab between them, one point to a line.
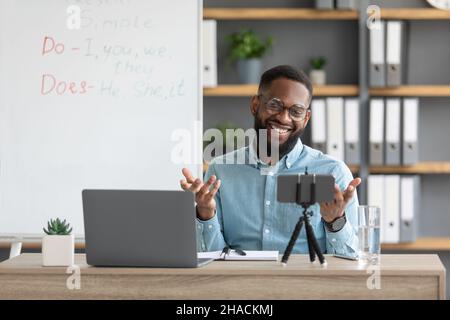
250	255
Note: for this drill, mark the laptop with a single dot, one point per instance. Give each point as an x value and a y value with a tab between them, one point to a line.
139	228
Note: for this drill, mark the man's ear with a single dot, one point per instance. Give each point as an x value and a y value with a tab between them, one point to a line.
254	103
307	117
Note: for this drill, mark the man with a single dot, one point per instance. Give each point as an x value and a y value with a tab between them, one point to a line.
243	211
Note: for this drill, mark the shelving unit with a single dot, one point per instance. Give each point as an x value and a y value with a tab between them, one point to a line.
278	14
314	14
426	244
412	91
419	168
414	14
247	90
361	89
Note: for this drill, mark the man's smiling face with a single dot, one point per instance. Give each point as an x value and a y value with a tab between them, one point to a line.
290	94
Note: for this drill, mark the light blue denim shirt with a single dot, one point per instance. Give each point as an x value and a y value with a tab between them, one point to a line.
248	215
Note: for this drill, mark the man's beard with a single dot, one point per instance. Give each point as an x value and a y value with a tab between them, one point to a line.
285	147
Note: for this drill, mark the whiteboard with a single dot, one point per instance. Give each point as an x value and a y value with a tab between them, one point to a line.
92	101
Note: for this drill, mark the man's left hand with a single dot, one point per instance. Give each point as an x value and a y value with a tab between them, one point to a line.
333	210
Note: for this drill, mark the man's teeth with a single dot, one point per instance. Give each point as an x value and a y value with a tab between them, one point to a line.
279	130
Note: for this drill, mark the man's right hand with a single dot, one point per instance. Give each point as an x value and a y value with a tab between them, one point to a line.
204	194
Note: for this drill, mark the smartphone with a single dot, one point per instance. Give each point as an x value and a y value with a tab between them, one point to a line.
355	258
287	188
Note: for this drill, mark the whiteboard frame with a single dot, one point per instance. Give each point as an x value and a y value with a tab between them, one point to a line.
12	238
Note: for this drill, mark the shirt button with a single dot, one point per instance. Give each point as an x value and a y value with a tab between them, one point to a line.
210	227
267	203
333	240
267	231
199	226
288	164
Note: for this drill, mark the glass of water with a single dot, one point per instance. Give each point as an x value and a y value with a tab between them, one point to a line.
369	234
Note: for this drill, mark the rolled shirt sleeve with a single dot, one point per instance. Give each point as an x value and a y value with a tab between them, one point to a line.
345	241
210	232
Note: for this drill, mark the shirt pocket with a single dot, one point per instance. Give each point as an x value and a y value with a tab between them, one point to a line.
288	216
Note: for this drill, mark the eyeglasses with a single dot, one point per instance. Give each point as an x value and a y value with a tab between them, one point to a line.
275	106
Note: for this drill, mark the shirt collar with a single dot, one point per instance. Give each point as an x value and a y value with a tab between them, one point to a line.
293	155
289	159
252	155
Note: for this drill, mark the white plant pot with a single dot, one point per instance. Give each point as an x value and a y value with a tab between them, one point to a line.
58	251
318	77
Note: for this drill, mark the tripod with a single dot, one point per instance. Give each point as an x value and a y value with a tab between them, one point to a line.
313	245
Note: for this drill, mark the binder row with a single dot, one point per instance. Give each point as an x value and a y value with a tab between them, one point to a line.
393	131
335	128
339	4
387	53
387	49
398	198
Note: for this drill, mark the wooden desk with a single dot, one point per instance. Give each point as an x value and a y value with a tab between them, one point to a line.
402	277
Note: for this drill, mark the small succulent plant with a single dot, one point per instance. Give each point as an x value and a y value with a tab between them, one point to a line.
58	227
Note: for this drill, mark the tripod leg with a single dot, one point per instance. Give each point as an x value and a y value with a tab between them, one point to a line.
313	240
312	255
292	241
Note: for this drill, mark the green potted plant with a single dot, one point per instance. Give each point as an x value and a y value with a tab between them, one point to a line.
58	244
247	49
318	75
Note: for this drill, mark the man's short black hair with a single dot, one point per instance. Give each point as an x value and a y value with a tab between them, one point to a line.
287	72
